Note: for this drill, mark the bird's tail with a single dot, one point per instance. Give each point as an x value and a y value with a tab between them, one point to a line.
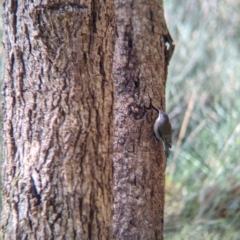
166	150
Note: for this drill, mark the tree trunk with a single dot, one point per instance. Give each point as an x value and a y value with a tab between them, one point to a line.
139	67
58	120
80	80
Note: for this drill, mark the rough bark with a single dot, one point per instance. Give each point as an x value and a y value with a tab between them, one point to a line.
58	119
140	65
77	106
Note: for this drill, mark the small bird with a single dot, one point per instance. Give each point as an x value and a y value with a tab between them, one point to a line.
163	130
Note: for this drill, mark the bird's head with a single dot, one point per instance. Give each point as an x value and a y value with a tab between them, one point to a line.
163	116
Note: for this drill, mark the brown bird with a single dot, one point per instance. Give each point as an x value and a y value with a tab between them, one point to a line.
163	130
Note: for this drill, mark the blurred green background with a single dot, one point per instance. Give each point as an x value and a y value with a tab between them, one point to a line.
203	89
203	101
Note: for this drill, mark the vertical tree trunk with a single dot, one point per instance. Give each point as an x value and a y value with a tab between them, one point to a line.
58	120
76	106
140	64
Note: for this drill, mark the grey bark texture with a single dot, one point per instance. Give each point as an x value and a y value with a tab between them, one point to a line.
79	157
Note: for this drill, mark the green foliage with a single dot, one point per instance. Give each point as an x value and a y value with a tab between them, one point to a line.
202	101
